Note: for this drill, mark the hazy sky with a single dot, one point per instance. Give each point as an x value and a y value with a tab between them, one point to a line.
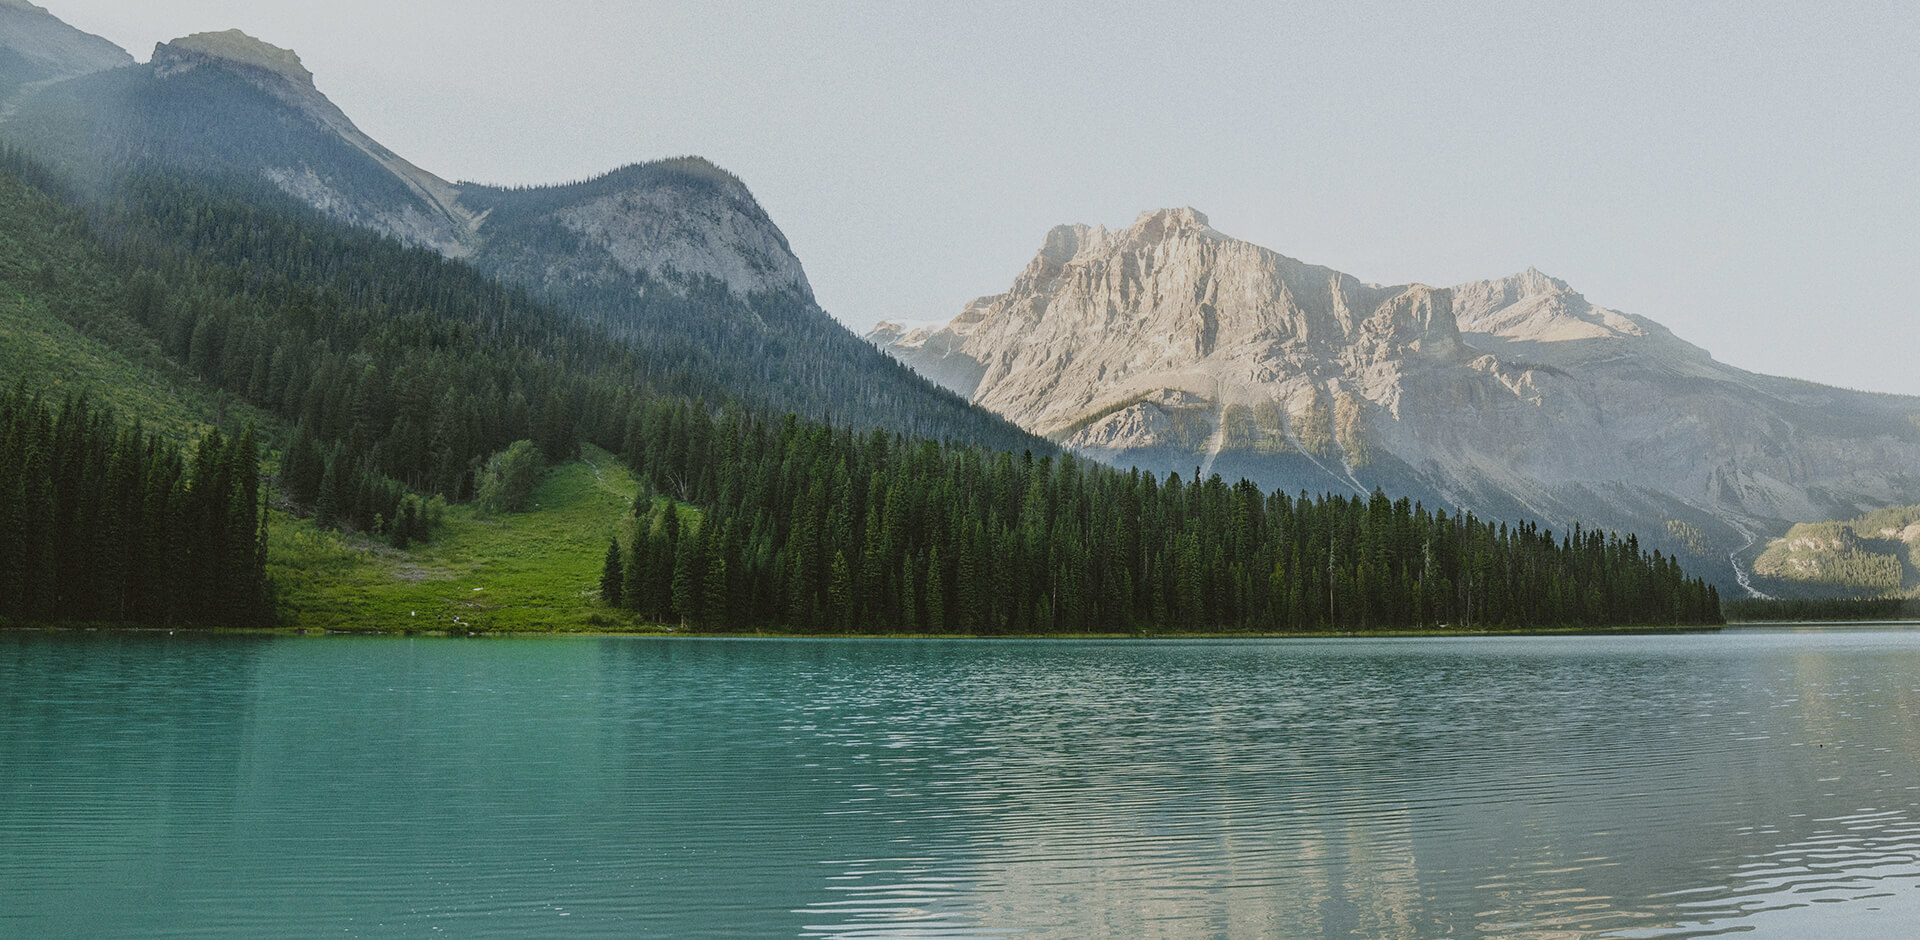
1746	173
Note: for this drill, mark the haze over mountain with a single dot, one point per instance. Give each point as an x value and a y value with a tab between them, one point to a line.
1682	161
36	48
675	252
1171	345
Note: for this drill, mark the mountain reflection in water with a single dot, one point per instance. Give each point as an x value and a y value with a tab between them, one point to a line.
1525	787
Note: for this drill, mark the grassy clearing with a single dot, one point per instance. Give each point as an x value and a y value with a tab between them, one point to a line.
56	358
534	571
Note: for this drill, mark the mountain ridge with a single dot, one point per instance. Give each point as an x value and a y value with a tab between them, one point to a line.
37	48
1171	345
675	254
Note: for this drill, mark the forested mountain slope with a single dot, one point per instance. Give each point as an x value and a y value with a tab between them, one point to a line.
1872	555
118	502
389	374
675	256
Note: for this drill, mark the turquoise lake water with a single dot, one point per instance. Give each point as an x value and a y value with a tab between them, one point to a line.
1765	783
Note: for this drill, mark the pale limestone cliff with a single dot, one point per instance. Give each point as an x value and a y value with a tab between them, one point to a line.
679	234
1171	345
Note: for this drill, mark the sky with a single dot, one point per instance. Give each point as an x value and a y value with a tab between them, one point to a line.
1747	174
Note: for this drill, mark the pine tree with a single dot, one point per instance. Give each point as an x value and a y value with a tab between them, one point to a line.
936	593
689	575
612	578
909	597
716	602
840	593
326	507
633	584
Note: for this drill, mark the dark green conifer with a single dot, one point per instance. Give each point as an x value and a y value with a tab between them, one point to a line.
612	577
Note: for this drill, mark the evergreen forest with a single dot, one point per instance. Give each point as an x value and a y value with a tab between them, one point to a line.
106	522
393	381
817	529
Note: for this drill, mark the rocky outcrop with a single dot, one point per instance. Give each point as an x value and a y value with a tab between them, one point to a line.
433	217
678	223
1170	345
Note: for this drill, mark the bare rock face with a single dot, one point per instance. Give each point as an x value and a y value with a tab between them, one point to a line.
1101	318
937	356
1170	345
233	48
677	222
433	218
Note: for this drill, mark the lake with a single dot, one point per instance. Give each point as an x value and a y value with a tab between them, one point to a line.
1764	782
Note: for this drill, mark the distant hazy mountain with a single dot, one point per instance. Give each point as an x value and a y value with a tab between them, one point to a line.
37	48
676	252
1170	345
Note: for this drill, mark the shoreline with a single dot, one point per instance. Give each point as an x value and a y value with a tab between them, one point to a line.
668	632
673	633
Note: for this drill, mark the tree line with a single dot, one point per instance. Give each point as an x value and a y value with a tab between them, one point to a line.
397	373
106	522
1793	609
816	529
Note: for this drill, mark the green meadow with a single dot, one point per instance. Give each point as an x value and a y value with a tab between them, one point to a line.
531	571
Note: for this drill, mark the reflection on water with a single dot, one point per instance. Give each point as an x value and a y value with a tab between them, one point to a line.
1529	787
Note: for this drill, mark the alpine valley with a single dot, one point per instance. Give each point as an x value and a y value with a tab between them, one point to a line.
1171	345
1162	594
616	404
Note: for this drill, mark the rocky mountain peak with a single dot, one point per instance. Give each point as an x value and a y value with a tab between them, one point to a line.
675	222
1517	287
698	168
1167	344
1535	308
1535	281
1064	242
229	47
433	217
1163	224
36	47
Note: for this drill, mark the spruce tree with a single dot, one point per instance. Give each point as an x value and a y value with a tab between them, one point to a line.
936	593
612	578
689	574
716	600
839	594
633	584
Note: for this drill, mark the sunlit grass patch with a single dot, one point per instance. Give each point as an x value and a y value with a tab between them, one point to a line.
537	570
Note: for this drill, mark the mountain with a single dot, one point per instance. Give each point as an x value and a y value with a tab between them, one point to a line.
1877	555
173	275
1171	345
387	375
36	48
676	255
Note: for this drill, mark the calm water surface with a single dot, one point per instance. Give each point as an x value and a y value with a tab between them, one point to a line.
1753	782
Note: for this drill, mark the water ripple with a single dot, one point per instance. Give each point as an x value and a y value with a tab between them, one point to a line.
1560	787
